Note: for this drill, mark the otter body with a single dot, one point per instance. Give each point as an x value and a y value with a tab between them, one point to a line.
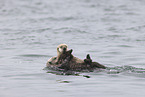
60	49
66	62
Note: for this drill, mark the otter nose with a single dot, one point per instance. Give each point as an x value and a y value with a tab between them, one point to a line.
64	49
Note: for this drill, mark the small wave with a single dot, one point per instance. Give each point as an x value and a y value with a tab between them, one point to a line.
55	70
125	68
33	55
65	18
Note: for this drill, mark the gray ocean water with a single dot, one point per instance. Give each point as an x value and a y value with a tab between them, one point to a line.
111	31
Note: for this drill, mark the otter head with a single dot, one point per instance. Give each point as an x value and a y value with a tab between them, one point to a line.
61	48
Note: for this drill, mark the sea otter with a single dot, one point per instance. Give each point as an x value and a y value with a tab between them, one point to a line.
60	49
54	60
67	62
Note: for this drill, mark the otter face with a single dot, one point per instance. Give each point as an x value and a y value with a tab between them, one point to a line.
62	48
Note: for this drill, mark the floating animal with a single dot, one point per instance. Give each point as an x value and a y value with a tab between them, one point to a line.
67	62
54	60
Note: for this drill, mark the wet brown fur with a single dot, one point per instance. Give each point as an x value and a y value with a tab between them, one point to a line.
66	62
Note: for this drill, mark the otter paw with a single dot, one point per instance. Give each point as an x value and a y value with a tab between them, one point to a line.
88	60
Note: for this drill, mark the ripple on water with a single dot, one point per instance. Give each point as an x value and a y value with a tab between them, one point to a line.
123	70
68	30
34	55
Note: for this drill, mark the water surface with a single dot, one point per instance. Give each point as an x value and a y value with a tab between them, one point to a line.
111	31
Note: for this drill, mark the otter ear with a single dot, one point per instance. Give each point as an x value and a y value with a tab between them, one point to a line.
58	49
88	56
